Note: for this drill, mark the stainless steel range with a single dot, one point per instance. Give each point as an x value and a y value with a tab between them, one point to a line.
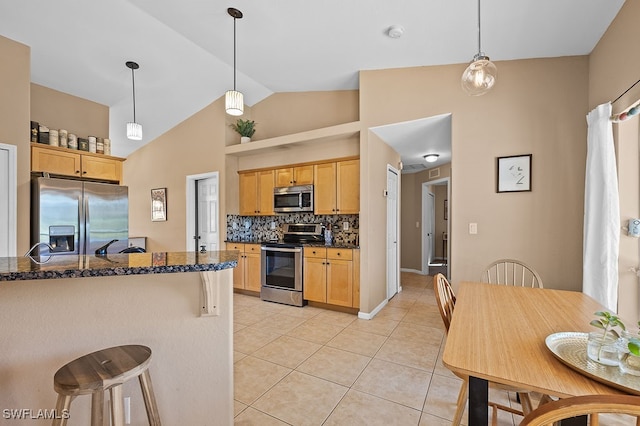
281	263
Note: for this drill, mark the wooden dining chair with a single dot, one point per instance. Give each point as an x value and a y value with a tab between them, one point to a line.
511	272
446	300
591	405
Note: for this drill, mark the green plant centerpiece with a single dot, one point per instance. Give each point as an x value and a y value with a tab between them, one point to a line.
629	352
601	346
246	128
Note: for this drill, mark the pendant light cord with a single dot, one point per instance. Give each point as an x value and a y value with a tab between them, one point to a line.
479	34
234	53
133	80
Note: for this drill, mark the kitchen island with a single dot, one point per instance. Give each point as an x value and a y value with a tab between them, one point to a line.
55	309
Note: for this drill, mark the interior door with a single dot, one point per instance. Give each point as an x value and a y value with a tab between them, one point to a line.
7	201
207	220
392	233
429	227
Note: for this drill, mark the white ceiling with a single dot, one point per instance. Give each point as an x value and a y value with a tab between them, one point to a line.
185	47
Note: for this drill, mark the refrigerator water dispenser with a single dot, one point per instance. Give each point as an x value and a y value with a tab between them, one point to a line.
61	238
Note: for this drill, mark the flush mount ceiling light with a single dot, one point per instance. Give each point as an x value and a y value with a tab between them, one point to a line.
233	100
480	75
134	130
431	158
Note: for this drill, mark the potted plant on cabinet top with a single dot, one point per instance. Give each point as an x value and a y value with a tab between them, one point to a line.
246	129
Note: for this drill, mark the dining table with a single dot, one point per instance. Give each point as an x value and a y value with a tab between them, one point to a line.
498	334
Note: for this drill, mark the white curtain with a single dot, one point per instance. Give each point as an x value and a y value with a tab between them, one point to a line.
601	211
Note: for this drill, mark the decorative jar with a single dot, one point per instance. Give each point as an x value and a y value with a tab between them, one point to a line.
602	348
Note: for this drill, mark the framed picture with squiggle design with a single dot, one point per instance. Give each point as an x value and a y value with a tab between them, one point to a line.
514	173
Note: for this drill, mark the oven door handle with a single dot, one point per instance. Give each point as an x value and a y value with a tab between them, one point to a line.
282	249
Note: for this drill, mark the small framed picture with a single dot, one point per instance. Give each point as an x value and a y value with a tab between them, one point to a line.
159	204
514	173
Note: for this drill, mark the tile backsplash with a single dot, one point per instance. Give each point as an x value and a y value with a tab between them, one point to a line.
259	228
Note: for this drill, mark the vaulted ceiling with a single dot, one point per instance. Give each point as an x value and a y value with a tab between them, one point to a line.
185	48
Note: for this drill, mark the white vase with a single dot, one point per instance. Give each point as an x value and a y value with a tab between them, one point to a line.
245	139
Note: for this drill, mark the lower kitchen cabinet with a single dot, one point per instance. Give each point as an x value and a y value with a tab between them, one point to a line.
329	276
246	275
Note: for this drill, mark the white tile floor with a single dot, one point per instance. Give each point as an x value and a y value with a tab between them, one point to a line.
309	366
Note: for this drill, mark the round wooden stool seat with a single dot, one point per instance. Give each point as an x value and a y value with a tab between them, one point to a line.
106	369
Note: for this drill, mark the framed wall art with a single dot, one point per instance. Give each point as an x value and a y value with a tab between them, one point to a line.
514	173
159	204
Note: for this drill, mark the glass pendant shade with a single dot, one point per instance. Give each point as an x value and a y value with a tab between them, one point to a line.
234	102
134	131
480	76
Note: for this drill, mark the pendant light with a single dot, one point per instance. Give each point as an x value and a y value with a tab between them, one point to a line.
134	130
480	75
233	100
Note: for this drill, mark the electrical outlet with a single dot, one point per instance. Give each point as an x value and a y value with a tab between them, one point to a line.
345	226
473	228
273	225
247	224
235	226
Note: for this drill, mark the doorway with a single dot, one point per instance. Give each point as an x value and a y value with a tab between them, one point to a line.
8	200
436	227
393	254
203	212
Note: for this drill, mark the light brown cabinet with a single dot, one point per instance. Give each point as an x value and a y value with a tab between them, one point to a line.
65	162
246	275
337	187
330	276
292	176
256	193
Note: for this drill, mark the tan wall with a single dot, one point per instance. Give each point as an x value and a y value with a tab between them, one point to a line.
286	113
375	155
192	147
613	67
15	72
59	110
410	235
192	364
545	118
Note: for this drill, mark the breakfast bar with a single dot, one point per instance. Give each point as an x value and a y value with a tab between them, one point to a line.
55	309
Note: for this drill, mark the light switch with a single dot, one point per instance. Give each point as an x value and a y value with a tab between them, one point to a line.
417	224
473	228
345	226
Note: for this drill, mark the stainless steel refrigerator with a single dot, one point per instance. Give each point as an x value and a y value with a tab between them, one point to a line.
76	217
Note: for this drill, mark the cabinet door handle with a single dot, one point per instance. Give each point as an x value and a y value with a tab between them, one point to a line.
77	171
314	252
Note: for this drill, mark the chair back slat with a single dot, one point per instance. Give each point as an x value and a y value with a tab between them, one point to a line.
445	298
511	272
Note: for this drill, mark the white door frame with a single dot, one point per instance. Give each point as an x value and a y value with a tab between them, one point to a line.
12	199
426	214
425	185
191	204
398	288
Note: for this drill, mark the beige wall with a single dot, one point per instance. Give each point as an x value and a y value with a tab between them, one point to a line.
613	67
375	155
193	147
192	364
544	118
59	110
15	72
286	113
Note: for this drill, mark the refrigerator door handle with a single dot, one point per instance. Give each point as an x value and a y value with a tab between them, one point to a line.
87	222
81	230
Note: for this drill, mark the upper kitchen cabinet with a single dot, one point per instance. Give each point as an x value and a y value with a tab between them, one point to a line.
337	187
292	176
65	162
256	193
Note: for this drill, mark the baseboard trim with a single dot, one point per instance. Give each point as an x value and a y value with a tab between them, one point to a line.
415	271
370	315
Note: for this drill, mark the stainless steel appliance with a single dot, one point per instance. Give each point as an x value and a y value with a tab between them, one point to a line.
291	199
281	263
77	217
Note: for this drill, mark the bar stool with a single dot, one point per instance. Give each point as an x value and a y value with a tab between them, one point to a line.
103	370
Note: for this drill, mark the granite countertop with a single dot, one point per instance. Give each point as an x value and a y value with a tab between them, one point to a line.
73	266
337	245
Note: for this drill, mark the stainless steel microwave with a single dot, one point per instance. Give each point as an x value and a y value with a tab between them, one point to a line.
292	199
